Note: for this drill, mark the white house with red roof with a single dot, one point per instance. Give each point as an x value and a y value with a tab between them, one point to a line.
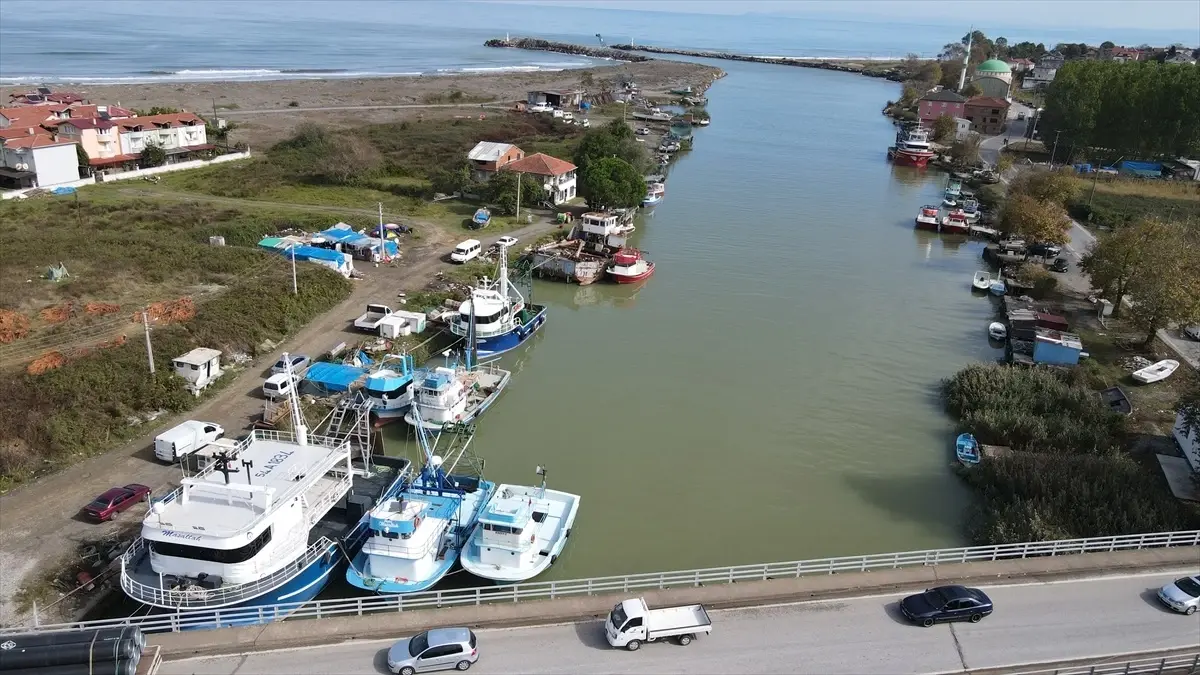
176	133
37	160
556	175
99	138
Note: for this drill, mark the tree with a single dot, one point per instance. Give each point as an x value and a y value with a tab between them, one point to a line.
455	179
1004	162
501	190
81	156
1035	220
965	151
951	70
930	73
1116	256
1107	45
611	182
943	128
970	90
152	155
1056	187
1001	47
350	159
614	139
587	80
1037	276
1165	288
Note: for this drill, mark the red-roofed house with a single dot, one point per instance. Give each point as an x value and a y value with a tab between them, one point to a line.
987	114
43	97
557	175
24	117
176	133
37	160
99	138
1125	54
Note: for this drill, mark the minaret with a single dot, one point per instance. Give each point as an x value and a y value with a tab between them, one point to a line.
962	77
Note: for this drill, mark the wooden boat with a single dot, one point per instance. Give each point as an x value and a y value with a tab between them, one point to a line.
630	267
997	331
982	281
1117	401
1156	372
967	450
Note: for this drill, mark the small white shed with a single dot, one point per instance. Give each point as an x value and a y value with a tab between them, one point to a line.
199	368
400	323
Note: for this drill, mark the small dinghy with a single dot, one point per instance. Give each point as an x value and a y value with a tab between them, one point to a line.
997	330
481	218
967	449
982	281
997	287
1117	401
1156	372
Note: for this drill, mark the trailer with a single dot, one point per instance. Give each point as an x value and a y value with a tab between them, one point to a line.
631	623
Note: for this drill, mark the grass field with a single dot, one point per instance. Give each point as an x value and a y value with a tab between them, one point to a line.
1120	200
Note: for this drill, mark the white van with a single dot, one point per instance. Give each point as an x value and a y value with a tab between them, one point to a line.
465	251
279	385
184	439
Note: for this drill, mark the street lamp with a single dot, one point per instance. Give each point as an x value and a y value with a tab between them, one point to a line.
1096	178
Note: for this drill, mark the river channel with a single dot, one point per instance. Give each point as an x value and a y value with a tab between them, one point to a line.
770	394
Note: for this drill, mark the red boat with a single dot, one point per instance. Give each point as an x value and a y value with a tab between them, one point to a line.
956	223
928	218
911	149
630	267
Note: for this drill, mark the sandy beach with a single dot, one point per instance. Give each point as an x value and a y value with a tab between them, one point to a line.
340	101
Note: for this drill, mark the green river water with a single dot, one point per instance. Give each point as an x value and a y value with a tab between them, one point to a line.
771	393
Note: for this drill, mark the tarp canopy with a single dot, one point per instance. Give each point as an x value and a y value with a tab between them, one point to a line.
1146	169
333	376
345	235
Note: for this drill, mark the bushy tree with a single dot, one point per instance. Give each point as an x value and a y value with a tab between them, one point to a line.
501	190
611	182
1035	220
971	89
1057	187
614	139
152	155
1115	258
943	128
965	151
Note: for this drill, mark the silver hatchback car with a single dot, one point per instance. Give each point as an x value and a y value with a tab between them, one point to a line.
437	649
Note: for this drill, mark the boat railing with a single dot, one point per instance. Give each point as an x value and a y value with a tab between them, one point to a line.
204	598
624	584
399	548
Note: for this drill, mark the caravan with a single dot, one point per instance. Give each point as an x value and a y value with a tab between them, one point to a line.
185	439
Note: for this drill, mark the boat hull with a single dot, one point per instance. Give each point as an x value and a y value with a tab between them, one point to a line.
498	344
397	585
929	224
632	278
906	158
413	419
549	557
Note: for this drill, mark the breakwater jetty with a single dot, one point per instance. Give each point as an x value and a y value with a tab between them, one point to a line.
885	69
536	44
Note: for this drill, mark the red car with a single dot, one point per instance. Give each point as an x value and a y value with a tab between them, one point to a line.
115	500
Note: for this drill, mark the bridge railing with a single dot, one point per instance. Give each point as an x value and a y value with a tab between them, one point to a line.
192	619
1177	663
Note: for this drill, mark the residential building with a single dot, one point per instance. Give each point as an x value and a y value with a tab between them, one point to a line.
178	134
557	175
935	104
962	128
487	158
1052	61
987	114
567	99
44	95
1125	54
1043	73
24	117
1181	58
37	160
994	78
1020	65
100	140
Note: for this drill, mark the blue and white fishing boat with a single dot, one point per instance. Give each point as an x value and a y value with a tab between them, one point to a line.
967	450
502	319
256	528
390	388
456	394
481	218
521	532
416	536
655	193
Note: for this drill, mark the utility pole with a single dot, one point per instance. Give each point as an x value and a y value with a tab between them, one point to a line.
1097	177
295	290
1055	150
519	174
149	348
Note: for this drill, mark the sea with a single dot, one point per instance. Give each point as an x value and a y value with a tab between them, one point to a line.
135	41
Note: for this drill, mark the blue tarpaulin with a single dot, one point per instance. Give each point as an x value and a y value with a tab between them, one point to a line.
1144	169
333	376
342	234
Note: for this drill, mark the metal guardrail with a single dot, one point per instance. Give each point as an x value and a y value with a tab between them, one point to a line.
1179	663
184	620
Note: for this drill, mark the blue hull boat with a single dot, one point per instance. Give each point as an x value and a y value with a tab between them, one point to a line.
532	319
481	218
967	449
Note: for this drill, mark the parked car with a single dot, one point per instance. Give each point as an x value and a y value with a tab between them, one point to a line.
946	603
300	363
507	241
115	500
1182	595
1059	265
1020	116
643	131
279	385
1192	331
437	649
1045	250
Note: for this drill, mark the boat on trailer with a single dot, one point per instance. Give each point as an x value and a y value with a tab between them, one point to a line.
416	536
521	532
257	532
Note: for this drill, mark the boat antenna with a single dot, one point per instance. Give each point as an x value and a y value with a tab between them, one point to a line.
541	471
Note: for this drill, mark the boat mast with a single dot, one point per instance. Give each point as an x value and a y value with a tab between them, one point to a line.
298	426
471	346
382	250
503	272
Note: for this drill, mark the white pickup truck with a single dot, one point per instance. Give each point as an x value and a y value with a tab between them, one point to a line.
370	320
631	623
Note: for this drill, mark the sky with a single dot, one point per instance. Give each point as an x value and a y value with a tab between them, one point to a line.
1104	14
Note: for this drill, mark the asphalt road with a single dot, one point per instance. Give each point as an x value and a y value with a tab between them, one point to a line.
1033	623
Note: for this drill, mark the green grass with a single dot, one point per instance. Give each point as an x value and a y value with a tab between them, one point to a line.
1119	201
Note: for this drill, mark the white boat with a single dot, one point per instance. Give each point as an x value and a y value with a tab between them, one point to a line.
520	533
997	330
389	388
1156	372
997	287
460	394
497	315
970	208
255	528
928	218
655	193
982	280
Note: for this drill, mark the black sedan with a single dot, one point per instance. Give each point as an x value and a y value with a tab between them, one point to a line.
1059	265
946	603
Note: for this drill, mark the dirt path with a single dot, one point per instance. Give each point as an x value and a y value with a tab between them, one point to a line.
179	196
40	520
331	108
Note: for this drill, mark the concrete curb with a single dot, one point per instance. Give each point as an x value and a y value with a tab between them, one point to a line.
306	632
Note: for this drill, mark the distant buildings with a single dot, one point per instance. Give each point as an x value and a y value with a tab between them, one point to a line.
1043	73
994	78
565	99
935	104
